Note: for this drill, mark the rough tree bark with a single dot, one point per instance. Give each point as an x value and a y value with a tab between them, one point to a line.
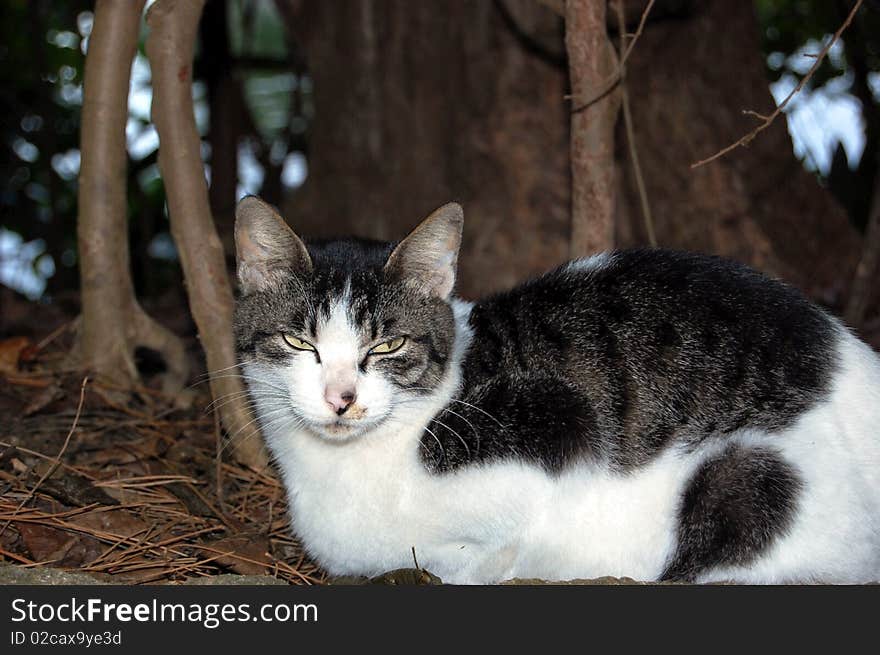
113	323
591	63
420	103
173	27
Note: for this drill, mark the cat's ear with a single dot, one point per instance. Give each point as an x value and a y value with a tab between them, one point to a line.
428	257
265	247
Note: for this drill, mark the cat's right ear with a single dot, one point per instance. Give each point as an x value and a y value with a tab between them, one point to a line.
428	257
265	246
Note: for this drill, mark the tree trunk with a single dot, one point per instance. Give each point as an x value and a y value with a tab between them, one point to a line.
173	27
595	105
689	79
420	103
113	323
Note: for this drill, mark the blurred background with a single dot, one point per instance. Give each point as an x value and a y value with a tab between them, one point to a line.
362	116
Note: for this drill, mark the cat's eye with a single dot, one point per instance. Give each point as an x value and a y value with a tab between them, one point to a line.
296	342
387	346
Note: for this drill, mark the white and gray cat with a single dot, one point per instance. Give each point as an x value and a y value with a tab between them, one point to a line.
651	414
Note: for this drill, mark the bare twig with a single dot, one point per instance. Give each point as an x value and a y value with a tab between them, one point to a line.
638	32
609	83
628	123
767	121
54	334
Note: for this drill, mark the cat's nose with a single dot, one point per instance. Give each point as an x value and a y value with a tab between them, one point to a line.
340	401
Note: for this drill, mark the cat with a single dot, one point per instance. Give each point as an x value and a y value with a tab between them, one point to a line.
653	414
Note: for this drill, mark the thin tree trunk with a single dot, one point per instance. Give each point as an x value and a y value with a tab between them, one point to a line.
113	323
173	27
594	114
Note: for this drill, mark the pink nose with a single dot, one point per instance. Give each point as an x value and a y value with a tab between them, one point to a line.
340	401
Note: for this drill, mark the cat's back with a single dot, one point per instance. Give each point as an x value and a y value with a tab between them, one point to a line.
661	344
659	305
643	290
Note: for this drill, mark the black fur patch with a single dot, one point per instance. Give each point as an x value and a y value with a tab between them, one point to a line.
533	418
732	510
620	361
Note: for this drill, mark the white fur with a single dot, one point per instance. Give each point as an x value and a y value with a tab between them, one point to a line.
592	263
362	504
836	449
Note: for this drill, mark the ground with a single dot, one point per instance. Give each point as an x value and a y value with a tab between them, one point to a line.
126	486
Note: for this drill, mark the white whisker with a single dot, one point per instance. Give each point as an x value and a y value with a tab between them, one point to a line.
460	438
442	451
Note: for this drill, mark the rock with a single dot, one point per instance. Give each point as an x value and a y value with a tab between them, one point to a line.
605	580
231	579
12	574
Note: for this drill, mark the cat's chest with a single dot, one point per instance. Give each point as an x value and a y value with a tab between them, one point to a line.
365	509
357	501
349	479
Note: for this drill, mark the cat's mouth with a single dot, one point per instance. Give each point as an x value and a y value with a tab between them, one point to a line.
344	428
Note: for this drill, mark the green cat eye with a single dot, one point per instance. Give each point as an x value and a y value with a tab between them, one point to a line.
387	346
295	342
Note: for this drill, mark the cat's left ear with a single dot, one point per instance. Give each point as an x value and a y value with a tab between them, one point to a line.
428	257
265	247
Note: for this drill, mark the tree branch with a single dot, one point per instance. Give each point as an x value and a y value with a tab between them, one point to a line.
607	85
628	125
767	121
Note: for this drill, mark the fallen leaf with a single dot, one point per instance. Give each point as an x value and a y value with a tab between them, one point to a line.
47	544
68	547
115	522
10	352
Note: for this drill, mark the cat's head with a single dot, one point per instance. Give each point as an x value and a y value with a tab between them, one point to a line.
338	336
